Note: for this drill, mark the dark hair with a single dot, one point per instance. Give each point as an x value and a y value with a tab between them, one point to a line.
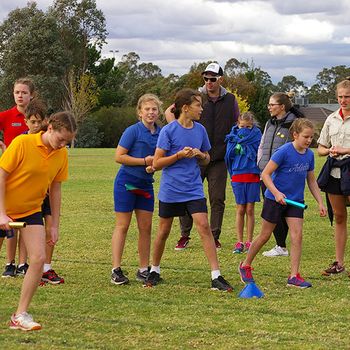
35	107
26	81
299	125
182	98
285	99
63	120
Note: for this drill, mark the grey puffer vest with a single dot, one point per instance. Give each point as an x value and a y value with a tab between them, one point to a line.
276	134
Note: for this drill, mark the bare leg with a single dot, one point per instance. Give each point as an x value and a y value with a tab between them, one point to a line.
164	228
296	236
265	234
22	251
49	248
144	223
11	245
240	213
340	218
34	240
250	221
203	228
119	236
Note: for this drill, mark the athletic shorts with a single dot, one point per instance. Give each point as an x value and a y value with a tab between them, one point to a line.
45	207
33	219
273	211
126	201
246	192
170	210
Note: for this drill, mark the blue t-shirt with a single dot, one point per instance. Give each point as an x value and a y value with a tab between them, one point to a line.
140	143
181	181
289	178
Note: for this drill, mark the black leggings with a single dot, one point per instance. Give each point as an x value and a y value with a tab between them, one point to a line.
281	230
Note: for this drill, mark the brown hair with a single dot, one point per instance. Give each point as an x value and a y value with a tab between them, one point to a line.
63	120
35	107
247	116
26	81
283	99
149	98
344	84
182	98
299	125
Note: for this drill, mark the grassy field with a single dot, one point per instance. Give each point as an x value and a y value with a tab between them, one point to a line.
88	312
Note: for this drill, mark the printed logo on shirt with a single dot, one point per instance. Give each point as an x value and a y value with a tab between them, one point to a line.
299	167
16	124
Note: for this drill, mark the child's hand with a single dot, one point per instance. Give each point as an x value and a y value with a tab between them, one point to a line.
186	152
322	209
149	160
279	198
150	169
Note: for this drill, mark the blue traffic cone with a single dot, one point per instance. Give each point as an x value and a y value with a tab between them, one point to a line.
251	291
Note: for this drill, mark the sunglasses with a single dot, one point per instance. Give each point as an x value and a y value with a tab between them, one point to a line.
212	79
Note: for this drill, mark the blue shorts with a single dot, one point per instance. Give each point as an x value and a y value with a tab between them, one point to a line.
126	201
246	192
170	210
273	211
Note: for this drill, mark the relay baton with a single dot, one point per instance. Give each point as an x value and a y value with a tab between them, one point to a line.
17	224
295	204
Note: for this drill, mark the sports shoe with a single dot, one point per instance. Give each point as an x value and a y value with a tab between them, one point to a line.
52	277
24	322
22	270
118	277
247	246
276	251
246	273
182	243
10	270
298	282
142	276
221	284
238	248
152	279
333	269
217	243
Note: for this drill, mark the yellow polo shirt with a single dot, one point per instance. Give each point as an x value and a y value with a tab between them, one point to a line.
31	170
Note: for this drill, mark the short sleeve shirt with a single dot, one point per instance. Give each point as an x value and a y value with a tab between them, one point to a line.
12	124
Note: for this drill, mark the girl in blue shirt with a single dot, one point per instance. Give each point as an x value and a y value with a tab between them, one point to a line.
182	146
284	177
133	186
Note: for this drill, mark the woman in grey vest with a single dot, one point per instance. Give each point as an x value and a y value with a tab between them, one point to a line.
276	134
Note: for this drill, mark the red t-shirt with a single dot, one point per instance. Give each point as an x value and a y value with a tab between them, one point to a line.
12	124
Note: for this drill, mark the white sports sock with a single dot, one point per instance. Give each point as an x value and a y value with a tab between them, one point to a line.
215	274
47	267
155	269
143	269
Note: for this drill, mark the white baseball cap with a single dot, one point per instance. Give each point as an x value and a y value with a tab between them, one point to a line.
214	68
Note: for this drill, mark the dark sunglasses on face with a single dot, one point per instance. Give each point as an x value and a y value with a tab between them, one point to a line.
212	79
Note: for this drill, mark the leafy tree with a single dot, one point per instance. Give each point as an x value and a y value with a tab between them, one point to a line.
291	83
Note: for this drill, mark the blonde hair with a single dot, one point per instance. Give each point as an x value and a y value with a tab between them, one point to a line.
299	125
344	84
247	116
149	98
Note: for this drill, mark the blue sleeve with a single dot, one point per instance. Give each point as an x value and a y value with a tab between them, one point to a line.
128	138
279	156
163	140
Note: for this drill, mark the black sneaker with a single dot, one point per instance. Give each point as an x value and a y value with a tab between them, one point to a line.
142	276
22	270
221	284
10	270
118	277
152	279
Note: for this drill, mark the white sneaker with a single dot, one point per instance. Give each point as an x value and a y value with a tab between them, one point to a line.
24	322
276	251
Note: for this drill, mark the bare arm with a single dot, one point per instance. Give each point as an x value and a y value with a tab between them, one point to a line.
161	161
315	191
323	150
271	166
169	116
122	157
55	204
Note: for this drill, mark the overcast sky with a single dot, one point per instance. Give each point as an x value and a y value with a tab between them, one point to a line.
283	37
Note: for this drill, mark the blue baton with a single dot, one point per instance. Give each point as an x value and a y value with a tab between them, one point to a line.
295	204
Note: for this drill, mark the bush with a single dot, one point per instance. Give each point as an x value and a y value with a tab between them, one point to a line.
89	134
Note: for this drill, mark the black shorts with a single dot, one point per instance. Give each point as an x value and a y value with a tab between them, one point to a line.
170	210
333	186
45	207
273	211
33	219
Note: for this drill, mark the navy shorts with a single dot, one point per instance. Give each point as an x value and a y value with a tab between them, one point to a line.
45	207
170	210
246	192
273	211
33	219
125	201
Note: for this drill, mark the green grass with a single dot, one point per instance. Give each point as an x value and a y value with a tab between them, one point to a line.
88	312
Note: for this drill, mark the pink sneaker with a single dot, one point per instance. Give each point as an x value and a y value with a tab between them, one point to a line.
238	248
182	243
247	246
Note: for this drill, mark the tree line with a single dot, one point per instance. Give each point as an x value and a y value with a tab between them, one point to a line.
61	50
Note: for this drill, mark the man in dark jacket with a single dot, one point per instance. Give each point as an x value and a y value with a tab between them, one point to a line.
220	113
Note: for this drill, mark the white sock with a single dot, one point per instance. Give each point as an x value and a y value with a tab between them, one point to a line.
155	269
47	267
143	269
215	274
21	265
